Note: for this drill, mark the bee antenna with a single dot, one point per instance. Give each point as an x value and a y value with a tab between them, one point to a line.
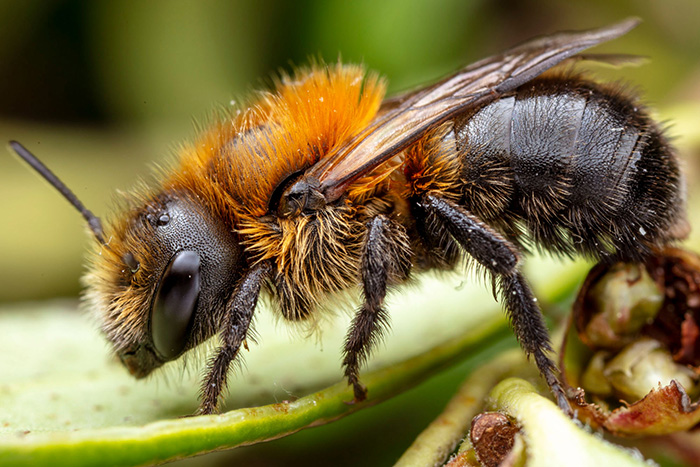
92	220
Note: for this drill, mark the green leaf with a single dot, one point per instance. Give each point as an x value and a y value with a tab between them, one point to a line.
63	401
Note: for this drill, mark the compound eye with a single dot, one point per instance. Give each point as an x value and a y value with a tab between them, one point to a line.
175	302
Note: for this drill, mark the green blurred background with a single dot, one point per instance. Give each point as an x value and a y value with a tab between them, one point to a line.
103	90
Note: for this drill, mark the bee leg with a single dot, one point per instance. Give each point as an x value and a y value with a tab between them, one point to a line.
239	312
385	258
500	258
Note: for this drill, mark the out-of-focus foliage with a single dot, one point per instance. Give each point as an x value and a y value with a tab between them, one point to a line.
103	90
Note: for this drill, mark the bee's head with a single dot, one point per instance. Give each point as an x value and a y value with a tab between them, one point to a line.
161	276
161	282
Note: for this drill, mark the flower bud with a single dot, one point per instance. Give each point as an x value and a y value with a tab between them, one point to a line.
645	365
624	300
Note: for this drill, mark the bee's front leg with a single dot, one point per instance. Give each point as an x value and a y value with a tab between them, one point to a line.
239	313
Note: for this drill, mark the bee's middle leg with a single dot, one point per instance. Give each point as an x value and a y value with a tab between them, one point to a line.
385	259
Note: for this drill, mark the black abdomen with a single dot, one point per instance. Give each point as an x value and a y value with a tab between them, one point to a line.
570	166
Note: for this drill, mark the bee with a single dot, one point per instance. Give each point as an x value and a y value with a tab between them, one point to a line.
322	185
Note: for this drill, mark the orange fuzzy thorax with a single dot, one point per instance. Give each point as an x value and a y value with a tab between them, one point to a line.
244	158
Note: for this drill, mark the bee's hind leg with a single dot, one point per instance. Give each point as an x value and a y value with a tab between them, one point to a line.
500	258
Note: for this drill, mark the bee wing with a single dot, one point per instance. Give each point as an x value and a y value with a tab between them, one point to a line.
405	119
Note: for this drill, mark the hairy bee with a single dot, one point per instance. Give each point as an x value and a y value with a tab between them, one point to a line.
322	185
